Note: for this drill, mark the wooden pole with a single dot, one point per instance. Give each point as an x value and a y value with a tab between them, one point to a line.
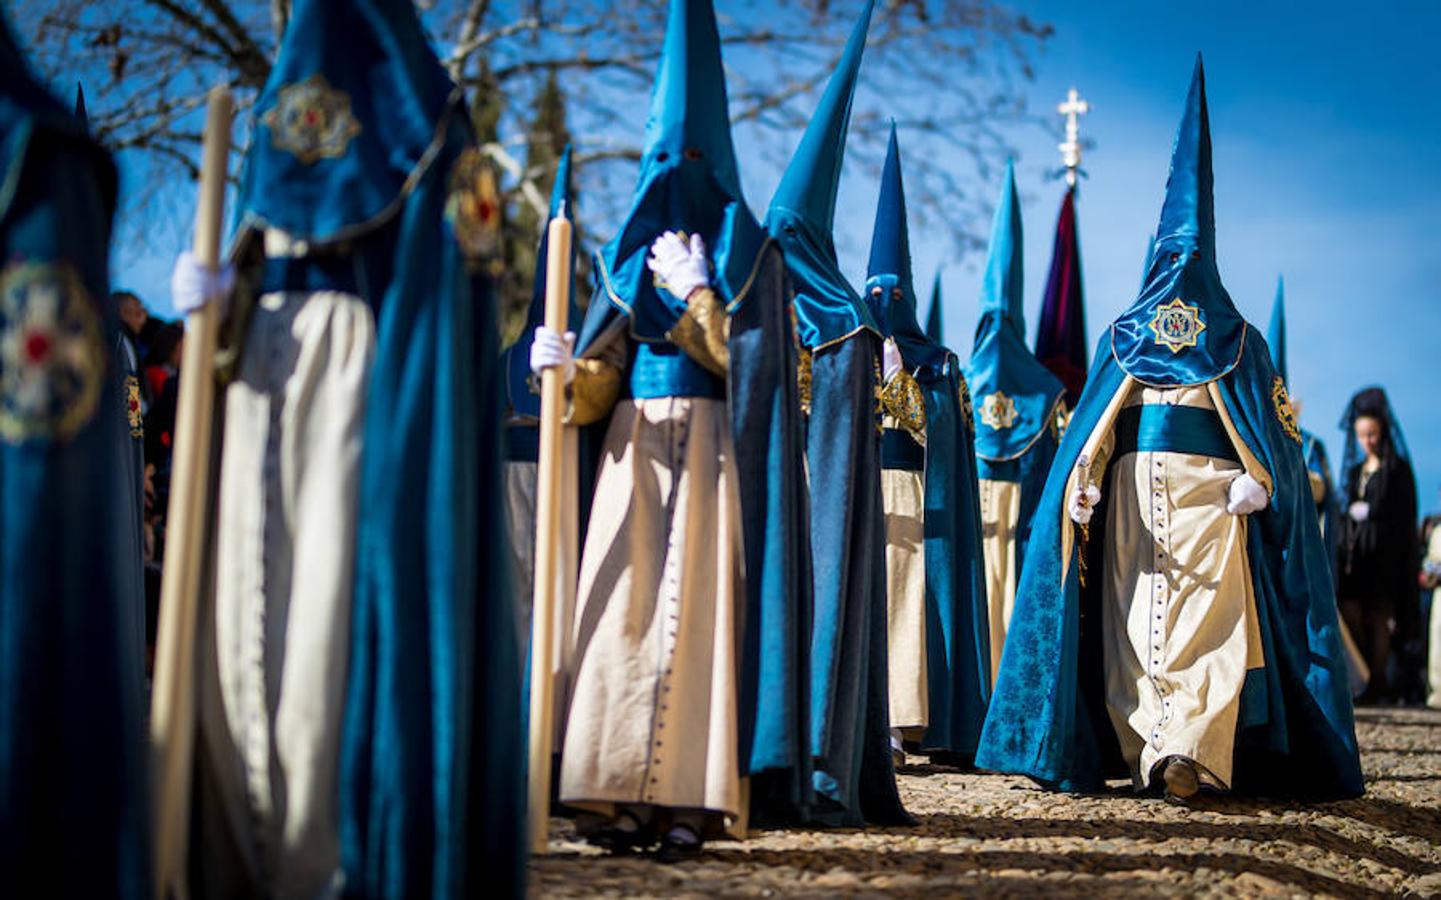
548	556
173	703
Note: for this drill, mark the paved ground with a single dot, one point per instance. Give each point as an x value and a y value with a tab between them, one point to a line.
989	834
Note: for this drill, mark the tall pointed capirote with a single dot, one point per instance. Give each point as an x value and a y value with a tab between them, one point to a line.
813	176
1183	329
890	287
1146	260
688	179
1276	333
1061	338
802	213
935	316
80	112
1001	291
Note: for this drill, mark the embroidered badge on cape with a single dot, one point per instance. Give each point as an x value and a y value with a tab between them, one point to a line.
1285	411
132	407
1177	325
312	120
998	411
472	206
968	411
52	360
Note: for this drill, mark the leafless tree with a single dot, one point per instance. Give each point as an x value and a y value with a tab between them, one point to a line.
950	72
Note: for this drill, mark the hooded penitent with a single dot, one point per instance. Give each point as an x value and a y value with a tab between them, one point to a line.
840	371
71	659
689	183
1061	338
1292	732
363	402
956	648
1019	409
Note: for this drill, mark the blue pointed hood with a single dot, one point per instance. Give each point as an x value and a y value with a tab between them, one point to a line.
1183	329
1002	291
803	211
688	180
1015	395
935	316
1276	333
80	112
523	400
890	289
352	115
1146	260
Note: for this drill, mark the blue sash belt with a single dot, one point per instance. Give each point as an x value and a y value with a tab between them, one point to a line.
333	272
1172	429
664	370
901	451
522	443
998	469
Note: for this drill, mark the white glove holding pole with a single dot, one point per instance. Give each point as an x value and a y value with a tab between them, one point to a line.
551	349
1247	496
1082	504
682	267
1359	511
192	284
891	361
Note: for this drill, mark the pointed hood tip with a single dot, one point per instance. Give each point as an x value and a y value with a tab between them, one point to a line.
1002	289
560	192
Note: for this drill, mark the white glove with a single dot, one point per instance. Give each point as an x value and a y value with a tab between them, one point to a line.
1359	511
193	285
891	361
1247	496
680	268
551	349
1082	504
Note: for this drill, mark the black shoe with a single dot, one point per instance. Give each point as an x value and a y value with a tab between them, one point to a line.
618	841
1182	782
678	845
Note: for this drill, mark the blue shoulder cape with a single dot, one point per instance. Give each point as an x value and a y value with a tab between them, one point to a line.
1296	735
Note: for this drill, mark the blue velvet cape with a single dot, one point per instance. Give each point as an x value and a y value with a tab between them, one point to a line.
1295	736
429	803
74	797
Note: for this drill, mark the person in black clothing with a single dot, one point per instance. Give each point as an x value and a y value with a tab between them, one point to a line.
1378	536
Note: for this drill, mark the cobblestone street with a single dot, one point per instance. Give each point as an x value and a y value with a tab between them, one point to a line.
988	834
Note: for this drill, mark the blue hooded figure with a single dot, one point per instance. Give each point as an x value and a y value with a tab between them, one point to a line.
74	803
1175	618
840	377
689	651
939	656
360	679
935	316
1020	412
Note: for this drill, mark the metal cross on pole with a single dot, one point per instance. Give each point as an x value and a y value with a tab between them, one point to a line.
1073	108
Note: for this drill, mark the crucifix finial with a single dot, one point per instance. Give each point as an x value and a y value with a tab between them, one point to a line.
1073	108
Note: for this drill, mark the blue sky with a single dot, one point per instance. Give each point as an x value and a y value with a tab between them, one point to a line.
1327	126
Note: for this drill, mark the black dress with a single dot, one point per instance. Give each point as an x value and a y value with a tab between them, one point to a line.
1379	560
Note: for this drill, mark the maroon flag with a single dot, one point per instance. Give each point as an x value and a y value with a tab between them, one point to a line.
1061	339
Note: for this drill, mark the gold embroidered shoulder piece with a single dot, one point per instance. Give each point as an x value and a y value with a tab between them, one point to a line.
903	400
1285	412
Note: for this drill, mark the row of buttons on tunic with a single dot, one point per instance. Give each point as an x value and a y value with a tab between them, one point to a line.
1160	528
677	423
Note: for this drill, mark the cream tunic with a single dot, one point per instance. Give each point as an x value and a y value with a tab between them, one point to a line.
1000	514
1179	610
274	656
653	717
904	498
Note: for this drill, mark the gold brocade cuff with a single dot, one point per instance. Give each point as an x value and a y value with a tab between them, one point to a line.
1318	486
703	332
593	392
903	400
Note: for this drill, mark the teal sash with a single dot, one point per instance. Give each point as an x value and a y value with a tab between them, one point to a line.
901	451
664	370
1172	429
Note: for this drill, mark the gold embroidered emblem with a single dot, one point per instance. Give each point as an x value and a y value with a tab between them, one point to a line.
473	206
132	406
998	411
52	360
312	120
1061	421
1177	325
1285	411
